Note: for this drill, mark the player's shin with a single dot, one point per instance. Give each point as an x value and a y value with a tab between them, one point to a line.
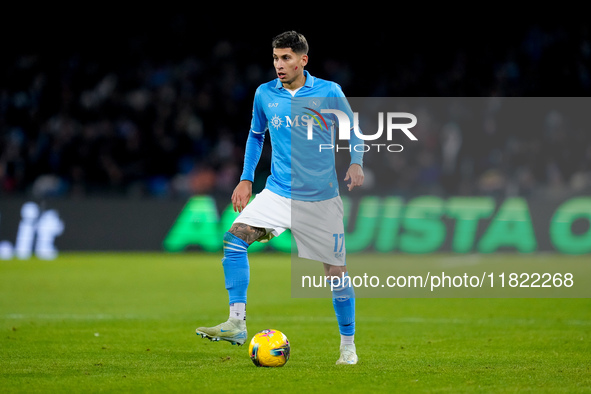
236	274
343	301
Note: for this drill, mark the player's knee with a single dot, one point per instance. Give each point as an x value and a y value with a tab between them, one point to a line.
246	233
334	271
235	230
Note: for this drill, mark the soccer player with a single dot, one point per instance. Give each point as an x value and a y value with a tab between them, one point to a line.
302	192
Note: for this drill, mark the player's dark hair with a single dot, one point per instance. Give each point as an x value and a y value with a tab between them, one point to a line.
291	39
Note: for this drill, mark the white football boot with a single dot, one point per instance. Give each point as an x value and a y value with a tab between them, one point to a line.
348	355
233	330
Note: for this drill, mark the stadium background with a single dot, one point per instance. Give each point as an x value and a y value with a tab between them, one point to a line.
117	119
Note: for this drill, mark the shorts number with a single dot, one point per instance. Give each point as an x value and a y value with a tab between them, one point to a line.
339	239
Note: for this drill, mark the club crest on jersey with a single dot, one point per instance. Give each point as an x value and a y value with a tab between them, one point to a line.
315	102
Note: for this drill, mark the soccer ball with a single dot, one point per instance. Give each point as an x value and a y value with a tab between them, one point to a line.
269	348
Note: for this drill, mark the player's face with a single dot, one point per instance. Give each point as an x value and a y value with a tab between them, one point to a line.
288	64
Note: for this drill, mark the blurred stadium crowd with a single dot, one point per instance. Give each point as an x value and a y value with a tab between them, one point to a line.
148	118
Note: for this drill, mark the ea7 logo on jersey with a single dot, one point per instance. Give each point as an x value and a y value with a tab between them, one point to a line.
273	105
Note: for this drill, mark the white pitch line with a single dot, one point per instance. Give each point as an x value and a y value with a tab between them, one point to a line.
68	316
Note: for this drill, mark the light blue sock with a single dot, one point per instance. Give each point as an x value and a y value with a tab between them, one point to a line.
343	301
236	269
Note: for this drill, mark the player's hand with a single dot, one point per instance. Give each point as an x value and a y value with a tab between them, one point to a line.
241	195
355	175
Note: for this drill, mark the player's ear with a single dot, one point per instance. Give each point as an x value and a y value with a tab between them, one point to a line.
304	60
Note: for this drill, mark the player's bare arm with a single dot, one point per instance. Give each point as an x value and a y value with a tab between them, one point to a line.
241	195
247	233
355	175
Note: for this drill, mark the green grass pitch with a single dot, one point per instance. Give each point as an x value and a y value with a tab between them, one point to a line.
126	323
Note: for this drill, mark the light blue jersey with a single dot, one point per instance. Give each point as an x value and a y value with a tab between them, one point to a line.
302	165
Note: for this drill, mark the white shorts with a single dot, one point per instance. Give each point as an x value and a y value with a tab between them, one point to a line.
317	226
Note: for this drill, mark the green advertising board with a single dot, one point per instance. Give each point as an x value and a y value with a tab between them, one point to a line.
423	224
